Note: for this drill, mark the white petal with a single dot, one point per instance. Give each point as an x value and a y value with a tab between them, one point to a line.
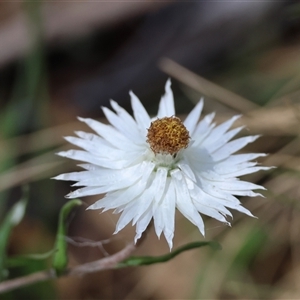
152	194
126	216
211	212
224	169
211	176
140	114
220	130
74	176
92	159
193	117
161	177
186	169
114	177
203	129
124	196
122	126
222	140
237	185
99	150
158	201
94	139
200	155
203	198
215	192
247	171
247	193
241	209
219	201
233	146
109	133
237	159
214	203
102	150
90	167
86	191
166	104
168	214
158	222
117	198
213	143
124	115
184	202
136	211
164	215
119	183
142	224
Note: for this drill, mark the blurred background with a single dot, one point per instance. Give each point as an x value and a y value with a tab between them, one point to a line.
60	60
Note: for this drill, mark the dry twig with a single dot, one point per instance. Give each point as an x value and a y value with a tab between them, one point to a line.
106	263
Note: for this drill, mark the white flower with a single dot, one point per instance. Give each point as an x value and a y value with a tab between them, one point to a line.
149	167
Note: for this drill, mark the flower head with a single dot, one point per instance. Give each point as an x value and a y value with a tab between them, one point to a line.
149	167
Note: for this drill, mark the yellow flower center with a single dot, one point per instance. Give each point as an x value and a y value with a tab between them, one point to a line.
167	135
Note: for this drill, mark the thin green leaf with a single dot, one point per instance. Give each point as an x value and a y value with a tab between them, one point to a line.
60	259
148	260
21	260
13	218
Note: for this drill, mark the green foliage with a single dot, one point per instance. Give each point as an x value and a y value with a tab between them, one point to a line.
12	219
23	260
149	260
60	259
59	252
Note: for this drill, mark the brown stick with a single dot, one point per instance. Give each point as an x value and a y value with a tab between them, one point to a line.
106	263
12	284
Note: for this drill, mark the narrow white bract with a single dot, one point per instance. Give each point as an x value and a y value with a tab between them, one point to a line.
198	175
